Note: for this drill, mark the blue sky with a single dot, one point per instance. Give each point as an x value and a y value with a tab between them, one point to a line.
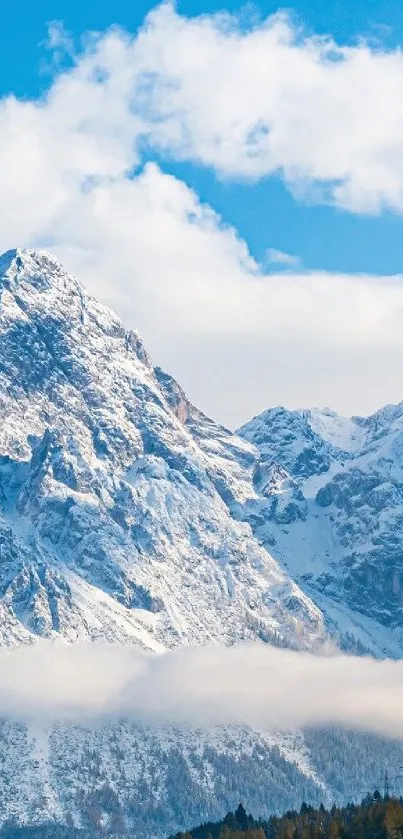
302	155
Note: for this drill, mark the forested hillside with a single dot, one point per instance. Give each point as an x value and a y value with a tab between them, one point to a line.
374	818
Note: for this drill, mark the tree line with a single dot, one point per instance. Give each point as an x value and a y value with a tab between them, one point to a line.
376	817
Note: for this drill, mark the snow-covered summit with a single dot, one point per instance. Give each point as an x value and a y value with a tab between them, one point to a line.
114	521
289	438
343	433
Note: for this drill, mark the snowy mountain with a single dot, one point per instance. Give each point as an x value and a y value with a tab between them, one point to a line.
113	525
127	515
153	781
334	519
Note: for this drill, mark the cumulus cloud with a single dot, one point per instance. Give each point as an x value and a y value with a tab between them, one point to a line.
274	99
252	684
73	179
246	101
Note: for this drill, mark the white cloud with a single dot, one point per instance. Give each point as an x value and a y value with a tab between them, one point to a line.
146	245
287	260
276	100
279	689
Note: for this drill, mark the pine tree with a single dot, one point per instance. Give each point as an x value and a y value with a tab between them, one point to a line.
241	817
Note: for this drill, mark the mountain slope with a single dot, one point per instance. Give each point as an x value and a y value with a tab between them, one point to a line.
153	781
112	526
323	494
342	539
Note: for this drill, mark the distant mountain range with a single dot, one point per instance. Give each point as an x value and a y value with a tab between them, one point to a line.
127	515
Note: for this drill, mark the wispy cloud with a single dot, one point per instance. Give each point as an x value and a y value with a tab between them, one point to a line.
287	260
252	684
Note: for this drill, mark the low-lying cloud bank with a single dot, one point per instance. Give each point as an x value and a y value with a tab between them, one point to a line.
251	684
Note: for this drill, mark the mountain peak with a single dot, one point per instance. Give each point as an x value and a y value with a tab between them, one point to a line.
115	528
30	264
35	286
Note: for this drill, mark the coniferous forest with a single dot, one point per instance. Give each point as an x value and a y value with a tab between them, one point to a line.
375	818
